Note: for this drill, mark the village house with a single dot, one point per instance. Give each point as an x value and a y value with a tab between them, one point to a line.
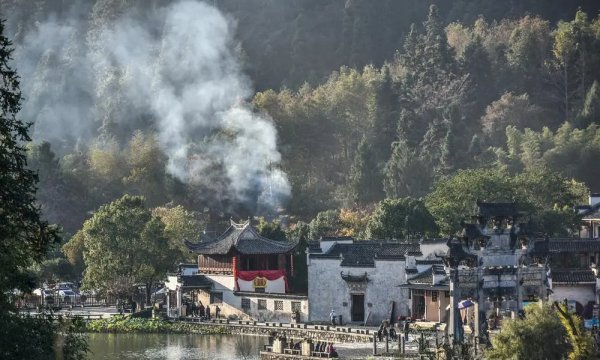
590	217
243	273
362	280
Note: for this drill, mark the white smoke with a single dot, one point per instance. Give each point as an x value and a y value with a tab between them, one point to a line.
188	77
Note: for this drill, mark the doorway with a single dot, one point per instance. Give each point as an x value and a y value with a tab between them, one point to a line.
358	308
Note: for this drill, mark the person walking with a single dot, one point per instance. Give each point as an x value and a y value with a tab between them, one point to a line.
208	312
406	328
217	312
201	310
194	309
332	317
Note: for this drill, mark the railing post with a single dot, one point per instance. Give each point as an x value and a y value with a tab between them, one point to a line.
374	345
387	344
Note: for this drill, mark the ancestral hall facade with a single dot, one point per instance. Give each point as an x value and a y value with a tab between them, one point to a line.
243	273
492	264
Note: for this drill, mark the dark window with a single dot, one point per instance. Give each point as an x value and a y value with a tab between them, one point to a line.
260	290
296	305
246	304
278	305
262	304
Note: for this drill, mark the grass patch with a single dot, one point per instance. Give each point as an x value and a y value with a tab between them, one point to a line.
118	324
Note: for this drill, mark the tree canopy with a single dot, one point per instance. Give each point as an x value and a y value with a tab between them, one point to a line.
126	245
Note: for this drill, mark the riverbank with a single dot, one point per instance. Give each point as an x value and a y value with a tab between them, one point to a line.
118	324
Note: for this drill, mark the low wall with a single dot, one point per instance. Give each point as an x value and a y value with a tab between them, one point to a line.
273	356
343	335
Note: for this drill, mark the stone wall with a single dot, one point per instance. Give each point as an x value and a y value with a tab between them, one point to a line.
335	335
327	290
273	356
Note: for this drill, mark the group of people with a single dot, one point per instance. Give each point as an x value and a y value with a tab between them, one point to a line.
383	332
197	309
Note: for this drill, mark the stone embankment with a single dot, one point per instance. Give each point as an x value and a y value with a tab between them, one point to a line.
334	334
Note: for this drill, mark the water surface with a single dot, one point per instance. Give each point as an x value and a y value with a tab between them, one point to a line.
174	347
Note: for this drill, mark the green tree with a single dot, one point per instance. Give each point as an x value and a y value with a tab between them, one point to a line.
181	224
400	219
539	336
453	199
125	244
510	110
437	53
365	183
271	230
545	194
25	238
73	250
591	109
326	223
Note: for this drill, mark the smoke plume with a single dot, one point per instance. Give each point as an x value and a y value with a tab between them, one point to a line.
175	64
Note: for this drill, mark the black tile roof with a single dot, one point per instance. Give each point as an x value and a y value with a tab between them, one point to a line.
574	245
573	276
364	253
190	281
592	213
411	271
244	239
425	277
430	262
497	209
314	247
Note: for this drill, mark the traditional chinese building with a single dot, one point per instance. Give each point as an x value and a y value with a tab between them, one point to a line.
491	264
364	280
245	274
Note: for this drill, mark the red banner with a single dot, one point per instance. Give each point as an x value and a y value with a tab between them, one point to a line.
268	274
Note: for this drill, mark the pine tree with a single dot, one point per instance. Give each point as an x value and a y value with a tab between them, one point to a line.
438	56
385	123
412	58
476	63
406	174
364	181
591	109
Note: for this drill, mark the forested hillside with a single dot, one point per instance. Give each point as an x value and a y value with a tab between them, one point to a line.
303	106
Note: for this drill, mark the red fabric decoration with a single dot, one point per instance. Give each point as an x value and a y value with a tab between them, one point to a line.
268	274
234	268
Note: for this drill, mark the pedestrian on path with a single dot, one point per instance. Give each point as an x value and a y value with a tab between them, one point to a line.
218	312
208	312
332	317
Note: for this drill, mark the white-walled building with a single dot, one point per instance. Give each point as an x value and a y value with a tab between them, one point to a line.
361	279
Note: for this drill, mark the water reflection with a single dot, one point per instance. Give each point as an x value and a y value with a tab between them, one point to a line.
169	347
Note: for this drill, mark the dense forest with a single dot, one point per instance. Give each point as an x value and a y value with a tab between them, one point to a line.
377	119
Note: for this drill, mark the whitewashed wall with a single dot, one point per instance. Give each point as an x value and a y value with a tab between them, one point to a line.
581	293
327	290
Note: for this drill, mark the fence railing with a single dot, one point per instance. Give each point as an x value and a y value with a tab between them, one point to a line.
66	302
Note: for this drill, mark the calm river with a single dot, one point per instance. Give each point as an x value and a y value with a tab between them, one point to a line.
172	347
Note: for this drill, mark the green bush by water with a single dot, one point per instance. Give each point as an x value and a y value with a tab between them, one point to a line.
148	326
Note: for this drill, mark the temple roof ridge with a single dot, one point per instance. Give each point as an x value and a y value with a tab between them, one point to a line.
244	238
